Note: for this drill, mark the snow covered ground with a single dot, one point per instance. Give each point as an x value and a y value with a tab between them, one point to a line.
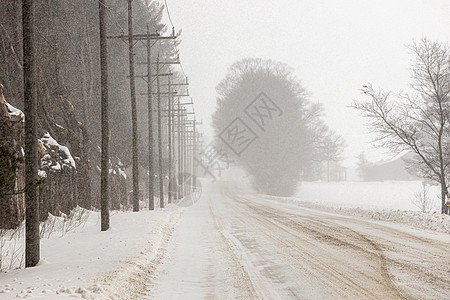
87	263
384	201
200	264
282	250
366	195
236	244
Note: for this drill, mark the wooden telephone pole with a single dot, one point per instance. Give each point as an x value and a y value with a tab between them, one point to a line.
133	109
148	38
171	134
169	121
180	157
151	196
161	179
32	239
143	37
104	197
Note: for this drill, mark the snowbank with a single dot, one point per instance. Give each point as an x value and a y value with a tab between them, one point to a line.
90	264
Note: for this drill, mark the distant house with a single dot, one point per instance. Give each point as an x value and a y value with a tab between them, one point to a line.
394	169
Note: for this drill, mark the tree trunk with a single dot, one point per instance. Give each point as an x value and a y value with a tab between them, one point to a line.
444	192
133	110
151	195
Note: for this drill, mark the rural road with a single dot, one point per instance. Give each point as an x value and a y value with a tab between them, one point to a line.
235	244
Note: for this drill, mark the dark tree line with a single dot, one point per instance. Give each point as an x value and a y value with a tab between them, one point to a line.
66	40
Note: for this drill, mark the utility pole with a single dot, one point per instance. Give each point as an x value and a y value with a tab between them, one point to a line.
133	109
104	197
131	38
172	119
32	239
174	151
188	152
186	145
161	182
151	196
196	146
180	156
183	155
174	159
194	152
170	141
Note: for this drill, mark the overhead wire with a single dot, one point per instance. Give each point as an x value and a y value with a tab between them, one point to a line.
168	13
115	16
171	23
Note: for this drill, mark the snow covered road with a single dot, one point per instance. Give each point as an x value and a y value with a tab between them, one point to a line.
236	244
200	264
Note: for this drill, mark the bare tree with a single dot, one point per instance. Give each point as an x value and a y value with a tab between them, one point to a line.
418	121
422	199
328	147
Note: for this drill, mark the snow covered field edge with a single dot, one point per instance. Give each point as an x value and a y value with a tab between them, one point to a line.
381	201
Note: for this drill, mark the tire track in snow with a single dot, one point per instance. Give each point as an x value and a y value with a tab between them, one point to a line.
218	223
376	250
420	264
338	278
284	247
263	273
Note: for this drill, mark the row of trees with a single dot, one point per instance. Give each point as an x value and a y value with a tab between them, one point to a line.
68	67
418	121
65	38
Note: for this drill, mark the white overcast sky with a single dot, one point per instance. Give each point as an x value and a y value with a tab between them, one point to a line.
335	47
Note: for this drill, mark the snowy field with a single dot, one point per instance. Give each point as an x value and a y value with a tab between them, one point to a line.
377	200
370	195
384	201
366	195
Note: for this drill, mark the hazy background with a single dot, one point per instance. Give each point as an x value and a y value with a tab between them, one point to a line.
335	47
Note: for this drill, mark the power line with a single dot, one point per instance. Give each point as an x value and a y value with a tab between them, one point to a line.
181	65
168	13
171	23
114	17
